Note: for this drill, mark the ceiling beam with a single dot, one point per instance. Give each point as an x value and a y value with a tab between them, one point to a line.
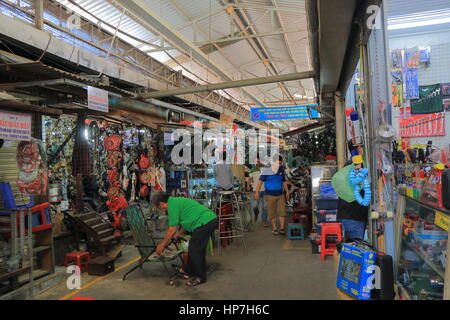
256	35
227	4
245	25
229	84
309	127
288	45
142	11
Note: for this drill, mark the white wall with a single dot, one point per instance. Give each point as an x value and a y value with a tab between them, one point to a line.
437	72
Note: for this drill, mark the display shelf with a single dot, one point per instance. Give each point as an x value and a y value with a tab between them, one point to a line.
320	173
422	250
37	273
423	256
402	192
404	292
203	184
41	249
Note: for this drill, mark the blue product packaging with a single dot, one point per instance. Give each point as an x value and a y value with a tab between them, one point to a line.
355	271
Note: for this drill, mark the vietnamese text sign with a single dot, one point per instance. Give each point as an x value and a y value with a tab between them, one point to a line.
280	113
98	99
15	126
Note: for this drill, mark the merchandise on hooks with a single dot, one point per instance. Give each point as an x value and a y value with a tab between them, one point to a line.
357	176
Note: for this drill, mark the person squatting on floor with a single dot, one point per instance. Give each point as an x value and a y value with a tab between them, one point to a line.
276	193
187	215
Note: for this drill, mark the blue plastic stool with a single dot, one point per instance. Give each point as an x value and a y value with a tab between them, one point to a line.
292	227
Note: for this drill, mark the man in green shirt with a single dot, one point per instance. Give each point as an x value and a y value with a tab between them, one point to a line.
187	215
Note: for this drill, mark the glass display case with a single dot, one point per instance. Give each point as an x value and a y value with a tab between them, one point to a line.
422	238
202	183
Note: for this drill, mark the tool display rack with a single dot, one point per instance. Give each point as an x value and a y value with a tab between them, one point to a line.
320	174
13	226
171	178
201	185
422	264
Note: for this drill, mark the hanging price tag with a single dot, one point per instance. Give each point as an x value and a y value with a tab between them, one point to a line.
441	220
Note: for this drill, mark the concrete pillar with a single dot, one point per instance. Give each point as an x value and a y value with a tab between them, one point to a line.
340	129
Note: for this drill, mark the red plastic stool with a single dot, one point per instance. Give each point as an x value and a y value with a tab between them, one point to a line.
80	258
327	248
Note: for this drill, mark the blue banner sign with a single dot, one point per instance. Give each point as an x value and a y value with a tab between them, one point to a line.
314	113
281	113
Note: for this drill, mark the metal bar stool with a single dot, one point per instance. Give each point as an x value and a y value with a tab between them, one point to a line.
246	210
230	218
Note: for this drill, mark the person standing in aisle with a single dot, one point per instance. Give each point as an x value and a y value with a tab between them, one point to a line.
224	175
276	193
187	215
353	216
255	173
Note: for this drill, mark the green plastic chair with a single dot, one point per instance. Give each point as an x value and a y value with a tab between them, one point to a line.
146	244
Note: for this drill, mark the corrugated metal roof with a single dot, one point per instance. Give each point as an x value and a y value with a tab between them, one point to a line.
406	7
213	21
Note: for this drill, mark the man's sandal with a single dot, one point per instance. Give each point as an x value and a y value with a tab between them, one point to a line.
194	282
183	274
275	232
282	232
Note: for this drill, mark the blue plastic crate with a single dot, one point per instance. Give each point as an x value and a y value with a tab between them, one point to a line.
327	204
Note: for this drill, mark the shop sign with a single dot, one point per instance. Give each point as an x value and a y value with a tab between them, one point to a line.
98	99
281	113
15	126
441	220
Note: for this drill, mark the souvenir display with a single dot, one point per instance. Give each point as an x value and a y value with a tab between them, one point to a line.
32	165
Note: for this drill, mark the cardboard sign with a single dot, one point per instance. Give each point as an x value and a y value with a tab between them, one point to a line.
15	126
226	120
98	99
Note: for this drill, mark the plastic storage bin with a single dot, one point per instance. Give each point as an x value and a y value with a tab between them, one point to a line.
327	204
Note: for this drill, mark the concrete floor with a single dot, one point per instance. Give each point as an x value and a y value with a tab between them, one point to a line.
273	268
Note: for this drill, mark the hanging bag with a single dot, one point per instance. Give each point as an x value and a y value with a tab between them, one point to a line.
341	184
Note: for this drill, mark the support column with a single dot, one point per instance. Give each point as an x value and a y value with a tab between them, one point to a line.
39	14
340	129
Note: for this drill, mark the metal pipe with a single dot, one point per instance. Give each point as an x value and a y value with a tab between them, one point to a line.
180	109
229	85
39	14
340	130
152	107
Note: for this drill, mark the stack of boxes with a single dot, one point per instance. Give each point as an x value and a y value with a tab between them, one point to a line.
325	212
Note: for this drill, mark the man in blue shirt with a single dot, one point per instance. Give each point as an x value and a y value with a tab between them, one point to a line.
275	187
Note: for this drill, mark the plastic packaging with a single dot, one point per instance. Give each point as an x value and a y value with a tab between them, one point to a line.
356	137
350	129
432	191
441	156
341	184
